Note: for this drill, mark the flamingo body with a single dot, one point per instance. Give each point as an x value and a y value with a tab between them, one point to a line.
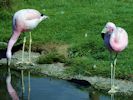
115	38
26	19
119	39
23	20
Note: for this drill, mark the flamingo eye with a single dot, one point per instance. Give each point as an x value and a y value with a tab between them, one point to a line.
42	14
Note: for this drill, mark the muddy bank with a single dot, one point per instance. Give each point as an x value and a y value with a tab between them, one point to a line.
58	70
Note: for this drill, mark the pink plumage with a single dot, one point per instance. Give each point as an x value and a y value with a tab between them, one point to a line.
119	39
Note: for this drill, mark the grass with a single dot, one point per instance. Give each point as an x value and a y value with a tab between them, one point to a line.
69	21
51	57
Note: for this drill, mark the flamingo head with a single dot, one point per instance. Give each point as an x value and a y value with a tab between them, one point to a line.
43	17
109	28
8	55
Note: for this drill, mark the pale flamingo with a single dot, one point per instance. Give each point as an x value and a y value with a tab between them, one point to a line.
116	40
23	20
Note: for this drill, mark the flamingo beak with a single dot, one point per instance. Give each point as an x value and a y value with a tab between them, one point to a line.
45	17
8	62
104	30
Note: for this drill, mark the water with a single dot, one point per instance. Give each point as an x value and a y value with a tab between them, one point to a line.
46	88
54	89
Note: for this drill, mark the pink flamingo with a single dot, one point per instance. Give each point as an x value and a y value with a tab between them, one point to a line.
23	20
116	40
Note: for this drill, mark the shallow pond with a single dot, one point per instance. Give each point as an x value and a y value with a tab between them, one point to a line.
46	88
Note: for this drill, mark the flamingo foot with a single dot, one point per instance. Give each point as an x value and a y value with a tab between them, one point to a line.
115	87
113	90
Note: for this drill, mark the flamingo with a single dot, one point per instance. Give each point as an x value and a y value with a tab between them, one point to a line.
23	20
116	40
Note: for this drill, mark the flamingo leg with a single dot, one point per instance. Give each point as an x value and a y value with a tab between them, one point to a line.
113	87
29	80
29	89
30	42
23	89
30	48
111	69
112	90
115	60
111	75
21	62
23	49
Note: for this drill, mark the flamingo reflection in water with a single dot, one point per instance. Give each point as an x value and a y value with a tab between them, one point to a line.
13	94
10	88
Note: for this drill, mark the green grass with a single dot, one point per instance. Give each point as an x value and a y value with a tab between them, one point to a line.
69	21
49	58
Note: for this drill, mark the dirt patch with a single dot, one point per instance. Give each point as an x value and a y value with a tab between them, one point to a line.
50	47
63	50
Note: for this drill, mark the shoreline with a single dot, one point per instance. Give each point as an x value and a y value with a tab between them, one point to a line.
58	70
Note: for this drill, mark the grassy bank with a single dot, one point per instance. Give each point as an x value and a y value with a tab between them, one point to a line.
69	21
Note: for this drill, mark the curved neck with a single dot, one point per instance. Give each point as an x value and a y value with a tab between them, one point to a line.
12	41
